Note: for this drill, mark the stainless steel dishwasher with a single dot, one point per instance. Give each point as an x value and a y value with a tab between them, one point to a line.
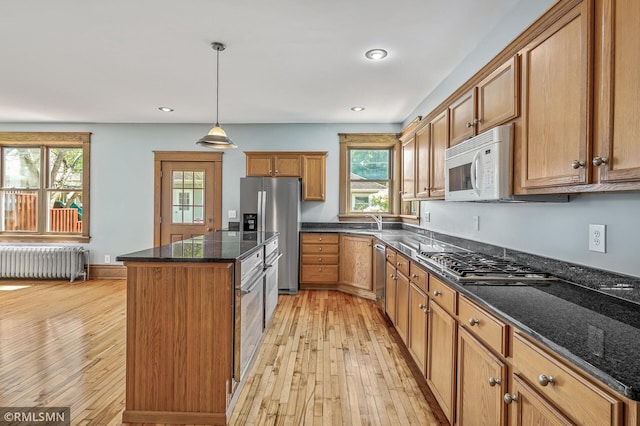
379	274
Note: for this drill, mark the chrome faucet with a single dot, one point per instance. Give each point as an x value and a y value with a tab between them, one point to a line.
377	218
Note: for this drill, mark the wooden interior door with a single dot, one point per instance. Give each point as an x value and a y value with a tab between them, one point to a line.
188	195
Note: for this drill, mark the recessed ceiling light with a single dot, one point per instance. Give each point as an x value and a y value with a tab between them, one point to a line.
376	54
357	109
165	109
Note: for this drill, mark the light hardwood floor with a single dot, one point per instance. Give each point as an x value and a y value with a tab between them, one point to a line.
327	358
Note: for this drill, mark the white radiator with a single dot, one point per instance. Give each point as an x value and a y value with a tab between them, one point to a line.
42	262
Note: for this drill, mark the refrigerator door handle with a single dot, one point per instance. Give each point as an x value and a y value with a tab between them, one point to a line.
263	212
259	211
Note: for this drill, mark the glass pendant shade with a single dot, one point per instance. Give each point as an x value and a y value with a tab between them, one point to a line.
216	138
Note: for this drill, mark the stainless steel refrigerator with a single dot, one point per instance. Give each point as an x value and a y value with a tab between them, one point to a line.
273	205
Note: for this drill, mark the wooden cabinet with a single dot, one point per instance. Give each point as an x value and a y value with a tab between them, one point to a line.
408	168
314	180
309	166
556	91
356	261
482	382
441	358
616	154
402	304
319	259
390	285
492	331
461	118
492	102
274	164
418	322
529	408
439	129
423	161
577	397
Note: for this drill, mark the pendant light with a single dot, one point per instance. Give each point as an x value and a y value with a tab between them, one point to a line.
217	138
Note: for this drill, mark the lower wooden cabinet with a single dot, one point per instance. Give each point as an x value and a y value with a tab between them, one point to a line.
418	321
441	358
402	305
356	261
319	259
390	292
529	408
482	383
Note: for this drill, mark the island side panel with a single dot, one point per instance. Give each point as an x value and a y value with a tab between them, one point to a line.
179	342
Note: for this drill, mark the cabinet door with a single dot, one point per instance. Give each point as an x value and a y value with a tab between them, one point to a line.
402	304
408	169
314	177
556	80
462	118
390	292
617	104
356	261
418	309
259	165
529	408
439	143
423	161
441	358
287	165
498	96
482	382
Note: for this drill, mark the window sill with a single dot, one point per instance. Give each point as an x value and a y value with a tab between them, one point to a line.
411	219
16	238
360	217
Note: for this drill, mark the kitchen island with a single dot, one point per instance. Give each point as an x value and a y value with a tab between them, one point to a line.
183	348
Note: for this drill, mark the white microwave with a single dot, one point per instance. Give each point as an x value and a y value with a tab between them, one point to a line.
479	169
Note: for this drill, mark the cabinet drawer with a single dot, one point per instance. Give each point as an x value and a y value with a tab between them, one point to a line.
419	277
402	264
319	248
319	238
578	398
391	256
444	295
319	274
483	325
320	259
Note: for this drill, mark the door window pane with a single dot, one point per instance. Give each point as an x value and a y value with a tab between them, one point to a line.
188	197
21	168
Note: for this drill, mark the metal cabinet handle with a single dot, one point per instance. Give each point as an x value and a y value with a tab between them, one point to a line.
319	238
469	125
420	306
277	171
319	259
577	164
494	381
437	293
473	321
509	398
369	245
476	121
414	276
426	311
319	248
599	161
544	380
398	263
393	277
319	269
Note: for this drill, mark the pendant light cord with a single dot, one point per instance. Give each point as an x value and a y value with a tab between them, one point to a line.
217	85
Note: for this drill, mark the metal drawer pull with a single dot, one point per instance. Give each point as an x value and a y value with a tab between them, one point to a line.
420	306
319	248
544	380
508	398
437	293
414	276
493	381
319	259
319	269
319	238
473	321
398	263
426	311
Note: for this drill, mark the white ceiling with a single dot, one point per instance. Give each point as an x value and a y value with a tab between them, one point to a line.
287	61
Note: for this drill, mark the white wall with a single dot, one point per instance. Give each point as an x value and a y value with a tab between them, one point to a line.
122	170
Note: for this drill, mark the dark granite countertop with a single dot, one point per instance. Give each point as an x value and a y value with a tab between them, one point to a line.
220	246
590	317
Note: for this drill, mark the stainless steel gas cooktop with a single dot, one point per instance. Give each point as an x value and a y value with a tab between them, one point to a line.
468	266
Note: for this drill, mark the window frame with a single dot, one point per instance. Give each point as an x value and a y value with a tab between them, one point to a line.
351	141
45	140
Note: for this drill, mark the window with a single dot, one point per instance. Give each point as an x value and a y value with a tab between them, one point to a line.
44	186
368	181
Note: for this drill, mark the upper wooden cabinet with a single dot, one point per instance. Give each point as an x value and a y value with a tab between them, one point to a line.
616	153
491	102
556	78
439	128
314	179
408	191
310	166
423	161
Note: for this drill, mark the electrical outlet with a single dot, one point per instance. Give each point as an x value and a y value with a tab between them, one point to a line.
427	216
476	223
597	238
232	214
107	258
